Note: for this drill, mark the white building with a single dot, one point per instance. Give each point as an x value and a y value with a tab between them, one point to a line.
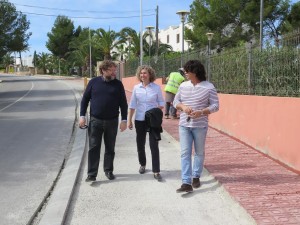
26	61
173	36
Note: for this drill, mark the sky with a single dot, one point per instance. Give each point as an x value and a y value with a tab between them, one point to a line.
106	14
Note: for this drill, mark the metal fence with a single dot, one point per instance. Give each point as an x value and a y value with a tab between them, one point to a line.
274	71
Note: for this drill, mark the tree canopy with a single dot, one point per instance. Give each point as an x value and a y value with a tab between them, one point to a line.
60	36
234	21
13	29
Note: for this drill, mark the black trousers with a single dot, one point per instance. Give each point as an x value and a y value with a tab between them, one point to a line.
107	129
141	132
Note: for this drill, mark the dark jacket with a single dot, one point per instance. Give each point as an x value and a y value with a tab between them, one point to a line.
153	119
106	99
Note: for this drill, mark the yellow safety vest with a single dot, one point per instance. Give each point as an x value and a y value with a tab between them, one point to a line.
175	79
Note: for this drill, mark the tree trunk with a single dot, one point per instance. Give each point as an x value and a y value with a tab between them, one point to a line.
21	59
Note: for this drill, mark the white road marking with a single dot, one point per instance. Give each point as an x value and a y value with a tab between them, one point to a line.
32	85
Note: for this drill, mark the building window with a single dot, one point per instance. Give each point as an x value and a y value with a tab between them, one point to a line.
178	38
168	39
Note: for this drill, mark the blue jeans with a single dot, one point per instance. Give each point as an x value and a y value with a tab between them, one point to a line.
188	136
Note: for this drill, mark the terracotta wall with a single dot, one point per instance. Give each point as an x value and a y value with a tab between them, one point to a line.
268	124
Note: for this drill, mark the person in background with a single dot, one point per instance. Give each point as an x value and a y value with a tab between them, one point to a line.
106	96
196	98
145	96
171	88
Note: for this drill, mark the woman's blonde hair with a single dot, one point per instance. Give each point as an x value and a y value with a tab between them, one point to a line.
149	69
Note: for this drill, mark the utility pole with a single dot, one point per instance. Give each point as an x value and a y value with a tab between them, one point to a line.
156	34
90	53
261	24
141	32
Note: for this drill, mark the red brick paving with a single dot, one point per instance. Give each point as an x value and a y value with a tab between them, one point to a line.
267	190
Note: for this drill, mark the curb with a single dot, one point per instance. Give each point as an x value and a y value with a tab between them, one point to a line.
57	207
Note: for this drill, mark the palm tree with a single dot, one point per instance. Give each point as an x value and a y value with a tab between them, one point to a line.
121	50
106	41
163	48
135	43
135	40
79	55
43	61
7	60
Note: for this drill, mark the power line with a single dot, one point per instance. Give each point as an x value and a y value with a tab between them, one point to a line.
88	17
76	10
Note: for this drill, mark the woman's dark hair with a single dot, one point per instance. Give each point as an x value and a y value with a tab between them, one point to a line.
196	67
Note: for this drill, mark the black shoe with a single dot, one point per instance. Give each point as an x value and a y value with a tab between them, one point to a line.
185	188
158	177
142	170
90	179
110	175
196	183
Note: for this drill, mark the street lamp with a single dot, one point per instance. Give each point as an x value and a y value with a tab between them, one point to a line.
129	39
182	14
149	29
209	37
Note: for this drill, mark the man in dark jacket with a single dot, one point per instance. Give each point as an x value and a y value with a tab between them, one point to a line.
106	96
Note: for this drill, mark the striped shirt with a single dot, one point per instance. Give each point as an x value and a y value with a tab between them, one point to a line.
198	97
145	98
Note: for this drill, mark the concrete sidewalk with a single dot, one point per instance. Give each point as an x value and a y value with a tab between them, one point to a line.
257	185
133	198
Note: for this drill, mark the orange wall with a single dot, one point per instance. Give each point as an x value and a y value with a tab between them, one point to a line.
268	124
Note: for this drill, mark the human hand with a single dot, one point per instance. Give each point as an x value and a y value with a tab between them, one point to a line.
82	122
197	114
188	110
130	125
123	126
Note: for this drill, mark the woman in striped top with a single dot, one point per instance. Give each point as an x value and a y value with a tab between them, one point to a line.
196	98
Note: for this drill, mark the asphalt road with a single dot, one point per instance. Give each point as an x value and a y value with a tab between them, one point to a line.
36	122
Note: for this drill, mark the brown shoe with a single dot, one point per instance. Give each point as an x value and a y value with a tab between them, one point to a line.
185	188
196	183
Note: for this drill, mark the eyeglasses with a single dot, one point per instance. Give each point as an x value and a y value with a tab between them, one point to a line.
188	119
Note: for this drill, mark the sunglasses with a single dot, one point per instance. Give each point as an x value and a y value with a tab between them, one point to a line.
188	119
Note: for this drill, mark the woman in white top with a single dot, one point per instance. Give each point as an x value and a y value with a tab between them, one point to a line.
145	96
196	98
